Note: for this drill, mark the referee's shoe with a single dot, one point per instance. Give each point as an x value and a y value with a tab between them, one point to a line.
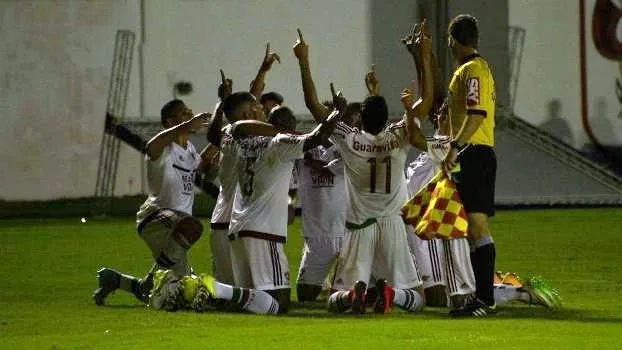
474	308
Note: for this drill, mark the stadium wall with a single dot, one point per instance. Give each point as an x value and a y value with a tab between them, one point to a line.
549	86
55	73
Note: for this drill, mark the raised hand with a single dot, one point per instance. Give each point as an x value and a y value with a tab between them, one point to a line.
225	88
269	58
420	35
423	40
339	102
409	40
371	82
301	49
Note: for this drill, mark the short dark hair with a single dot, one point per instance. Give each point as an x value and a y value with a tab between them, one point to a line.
283	118
274	96
235	100
168	109
464	29
374	114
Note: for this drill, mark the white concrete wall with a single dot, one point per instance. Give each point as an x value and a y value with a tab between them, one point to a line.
57	56
56	61
191	40
550	70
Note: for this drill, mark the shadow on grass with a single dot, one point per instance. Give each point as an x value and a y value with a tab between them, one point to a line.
318	309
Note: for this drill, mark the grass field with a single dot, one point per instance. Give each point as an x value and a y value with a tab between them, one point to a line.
48	274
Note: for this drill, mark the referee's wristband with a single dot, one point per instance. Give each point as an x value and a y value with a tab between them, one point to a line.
454	144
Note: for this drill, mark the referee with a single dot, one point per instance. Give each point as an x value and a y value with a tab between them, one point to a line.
472	111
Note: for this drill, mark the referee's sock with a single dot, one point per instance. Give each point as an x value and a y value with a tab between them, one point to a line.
483	262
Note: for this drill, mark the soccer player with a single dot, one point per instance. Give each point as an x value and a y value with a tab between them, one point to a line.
321	189
219	240
258	228
164	221
471	110
375	240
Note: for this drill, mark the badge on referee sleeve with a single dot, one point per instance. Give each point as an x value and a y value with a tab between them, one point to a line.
436	211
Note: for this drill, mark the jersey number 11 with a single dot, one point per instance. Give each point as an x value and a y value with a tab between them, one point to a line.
372	171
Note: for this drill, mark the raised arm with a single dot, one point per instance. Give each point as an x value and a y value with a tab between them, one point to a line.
415	137
214	132
245	128
258	84
156	144
317	109
439	91
423	43
371	82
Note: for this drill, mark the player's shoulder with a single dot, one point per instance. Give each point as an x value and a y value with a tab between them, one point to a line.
345	129
474	65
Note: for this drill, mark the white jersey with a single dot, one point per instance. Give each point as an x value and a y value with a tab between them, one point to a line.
322	194
170	179
427	164
374	171
228	178
264	168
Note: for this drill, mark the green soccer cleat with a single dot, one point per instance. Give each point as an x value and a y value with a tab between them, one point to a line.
209	282
167	292
542	293
108	281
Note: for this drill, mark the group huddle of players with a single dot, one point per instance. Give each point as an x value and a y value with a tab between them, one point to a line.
351	184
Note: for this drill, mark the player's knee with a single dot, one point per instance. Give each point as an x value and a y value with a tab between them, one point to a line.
188	231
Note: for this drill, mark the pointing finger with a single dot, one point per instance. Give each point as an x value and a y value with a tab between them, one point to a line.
300	35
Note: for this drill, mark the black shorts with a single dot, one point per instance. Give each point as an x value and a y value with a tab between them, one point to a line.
476	179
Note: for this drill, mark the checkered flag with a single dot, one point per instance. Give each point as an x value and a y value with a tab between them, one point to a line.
436	211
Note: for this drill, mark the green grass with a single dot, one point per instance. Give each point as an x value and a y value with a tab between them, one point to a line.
48	274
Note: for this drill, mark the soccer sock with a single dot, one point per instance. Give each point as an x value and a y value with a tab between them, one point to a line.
483	261
339	301
408	299
252	300
505	293
129	283
223	291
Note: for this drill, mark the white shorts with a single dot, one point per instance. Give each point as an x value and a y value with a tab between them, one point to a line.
458	269
156	230
221	255
259	264
444	263
318	255
430	258
380	249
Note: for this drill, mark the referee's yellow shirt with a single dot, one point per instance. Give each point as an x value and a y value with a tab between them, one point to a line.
472	92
